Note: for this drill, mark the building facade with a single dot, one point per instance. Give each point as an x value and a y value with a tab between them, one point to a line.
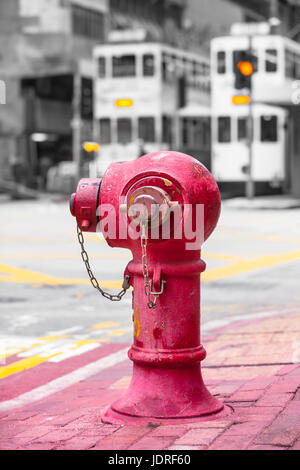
44	44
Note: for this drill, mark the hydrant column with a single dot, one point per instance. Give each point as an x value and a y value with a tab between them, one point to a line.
167	382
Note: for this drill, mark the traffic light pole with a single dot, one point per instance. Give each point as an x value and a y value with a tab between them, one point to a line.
250	185
76	123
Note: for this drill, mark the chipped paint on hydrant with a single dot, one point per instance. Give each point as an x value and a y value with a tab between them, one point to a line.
166	384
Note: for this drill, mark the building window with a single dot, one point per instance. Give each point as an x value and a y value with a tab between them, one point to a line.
146	129
87	23
221	62
271	60
268	128
242	129
148	65
123	66
101	67
124	130
224	129
105	131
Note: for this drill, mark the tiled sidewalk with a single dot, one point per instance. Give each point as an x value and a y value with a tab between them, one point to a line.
253	367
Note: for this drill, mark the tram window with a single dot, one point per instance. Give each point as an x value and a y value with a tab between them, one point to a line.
206	132
168	67
224	129
105	131
268	128
197	130
167	129
124	130
221	62
148	65
289	64
146	129
123	66
242	129
184	131
297	67
101	67
271	60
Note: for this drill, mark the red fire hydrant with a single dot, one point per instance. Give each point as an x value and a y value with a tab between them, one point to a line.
157	206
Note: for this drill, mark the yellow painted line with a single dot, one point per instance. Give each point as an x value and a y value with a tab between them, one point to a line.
118	332
23	364
246	266
63	256
88	237
83	342
274	238
103	325
26	276
221	307
241	266
258	236
220	256
121	384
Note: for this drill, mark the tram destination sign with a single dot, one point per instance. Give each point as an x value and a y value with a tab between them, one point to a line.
250	29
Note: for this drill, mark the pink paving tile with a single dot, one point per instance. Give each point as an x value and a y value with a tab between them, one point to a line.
199	436
152	443
283	431
262	447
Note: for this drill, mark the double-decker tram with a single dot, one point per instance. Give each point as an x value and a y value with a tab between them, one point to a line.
274	90
139	89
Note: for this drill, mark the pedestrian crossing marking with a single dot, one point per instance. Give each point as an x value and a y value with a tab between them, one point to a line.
54	348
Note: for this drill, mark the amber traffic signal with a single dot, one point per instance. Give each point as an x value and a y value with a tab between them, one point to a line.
243	68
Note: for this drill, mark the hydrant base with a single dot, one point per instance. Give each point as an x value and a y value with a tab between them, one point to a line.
115	418
158	395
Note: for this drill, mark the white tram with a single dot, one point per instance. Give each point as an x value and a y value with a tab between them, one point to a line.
139	89
275	88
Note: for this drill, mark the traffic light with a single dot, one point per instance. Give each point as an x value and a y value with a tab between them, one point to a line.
243	67
90	146
86	98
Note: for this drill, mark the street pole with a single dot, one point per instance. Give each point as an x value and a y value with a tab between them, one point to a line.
77	123
250	185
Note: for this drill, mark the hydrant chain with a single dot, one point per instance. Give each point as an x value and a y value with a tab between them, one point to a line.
148	284
94	282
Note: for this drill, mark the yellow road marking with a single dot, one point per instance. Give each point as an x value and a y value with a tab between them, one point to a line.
26	276
63	255
88	237
246	266
240	266
221	307
23	364
103	325
118	332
